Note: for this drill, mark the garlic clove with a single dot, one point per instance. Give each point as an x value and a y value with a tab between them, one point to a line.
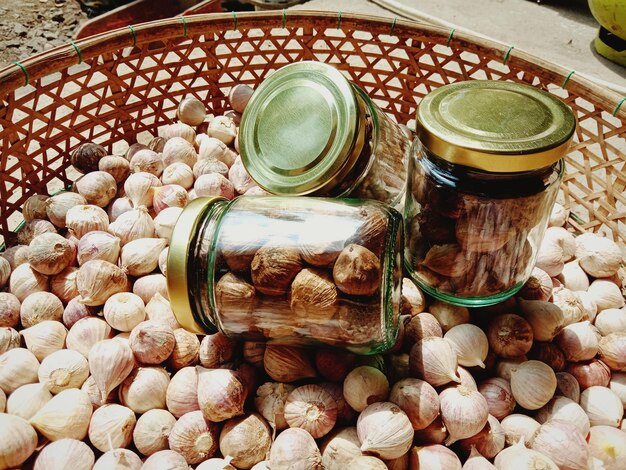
85	333
533	384
18	441
287	363
25	280
182	392
83	219
9	310
110	362
44	338
567	386
545	318
214	184
33	229
464	412
186	349
124	311
165	221
193	437
133	225
435	457
270	403
177	149
97	280
605	294
499	396
537	287
603	406
470	344
418	399
66	415
518	457
35	207
590	373
612	351
488	442
598	256
571	305
178	173
139	188
246	439
65	454
63	285
15	255
140	257
122	459
28	399
58	205
239	96
158	308
609	446
476	461
221	394
152	342
519	428
117	166
311	408
384	430
578	341
97	187
563	443
365	385
294	448
9	339
448	315
611	320
564	409
98	245
62	370
145	389
434	360
18	367
50	253
340	448
152	431
170	195
111	426
40	306
147	161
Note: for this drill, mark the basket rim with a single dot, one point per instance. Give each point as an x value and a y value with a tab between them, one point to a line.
37	66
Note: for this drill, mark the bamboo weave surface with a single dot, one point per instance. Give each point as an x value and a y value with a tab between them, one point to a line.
122	85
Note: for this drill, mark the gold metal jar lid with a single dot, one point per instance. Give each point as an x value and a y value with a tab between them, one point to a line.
495	126
183	237
301	130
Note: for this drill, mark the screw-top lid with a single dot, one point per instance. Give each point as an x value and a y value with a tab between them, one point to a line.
183	239
302	128
495	126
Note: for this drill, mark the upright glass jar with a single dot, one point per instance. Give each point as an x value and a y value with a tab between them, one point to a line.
483	178
305	271
307	130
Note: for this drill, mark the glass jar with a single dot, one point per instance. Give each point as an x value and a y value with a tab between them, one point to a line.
484	175
307	130
303	271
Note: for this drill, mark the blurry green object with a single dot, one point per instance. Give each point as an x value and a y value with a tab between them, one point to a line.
611	39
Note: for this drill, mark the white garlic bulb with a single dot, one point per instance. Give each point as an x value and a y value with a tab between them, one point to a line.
384	430
111	426
118	206
294	447
178	173
124	311
578	341
66	415
58	205
158	308
145	389
574	277
608	444
28	400
180	130
191	111
470	343
133	225
606	294
98	245
178	149
602	405
165	220
182	392
62	370
222	128
140	257
44	338
214	184
564	409
40	306
533	384
63	285
122	459
97	187
97	280
152	430
518	427
110	362
165	459
597	255
86	218
563	443
239	176
147	161
194	437
25	280
518	457
117	166
18	367
85	333
65	454
464	412
18	440
139	188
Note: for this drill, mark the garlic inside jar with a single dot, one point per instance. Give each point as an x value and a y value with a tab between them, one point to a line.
483	178
300	271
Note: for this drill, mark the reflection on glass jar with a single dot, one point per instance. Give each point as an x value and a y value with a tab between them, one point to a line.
475	214
305	271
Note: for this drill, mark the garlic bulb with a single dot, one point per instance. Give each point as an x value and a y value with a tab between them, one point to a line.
97	280
611	320
239	96
35	207
58	205
418	399
564	409
340	448
489	441
448	315
18	367
62	370
9	310
118	167
505	366
563	443
27	400
609	446
163	260
50	253
25	280
618	386
287	363
367	462
253	352
419	327
311	408
110	362
519	428
98	245
40	306
146	161
18	441
602	406
165	221
222	128
464	412
384	430
66	415
145	389
239	176
434	457
214	184
558	216
510	335
15	255
180	130
589	305
178	173
434	433
571	305
44	338
111	426
177	149
191	111
434	360
538	286
605	294
83	219
470	343
497	392
545	318
9	339
63	285
97	187
140	257
133	225
158	309
578	341
85	333
65	454
139	188
246	439
413	301
270	403
363	386
573	277
294	448
467	380
152	342
195	438
122	459
208	166
597	255
182	392
170	195
5	272
533	384
567	386
214	149
152	430
476	461
186	349
33	229
518	457
221	394
590	373
612	349
124	311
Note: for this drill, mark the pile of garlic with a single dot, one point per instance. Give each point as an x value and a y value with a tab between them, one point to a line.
96	373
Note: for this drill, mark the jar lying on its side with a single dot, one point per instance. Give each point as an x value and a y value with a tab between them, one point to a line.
484	175
307	130
304	271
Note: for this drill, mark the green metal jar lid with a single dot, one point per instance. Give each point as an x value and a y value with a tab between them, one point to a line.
496	126
300	129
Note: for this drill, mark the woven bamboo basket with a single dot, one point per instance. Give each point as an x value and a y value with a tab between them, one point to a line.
119	87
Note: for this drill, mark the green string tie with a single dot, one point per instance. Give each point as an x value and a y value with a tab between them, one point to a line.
184	20
235	18
339	19
132	31
284	18
80	56
506	56
567	79
393	25
450	36
23	69
618	105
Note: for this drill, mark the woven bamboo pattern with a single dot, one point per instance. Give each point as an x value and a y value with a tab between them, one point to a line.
122	85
